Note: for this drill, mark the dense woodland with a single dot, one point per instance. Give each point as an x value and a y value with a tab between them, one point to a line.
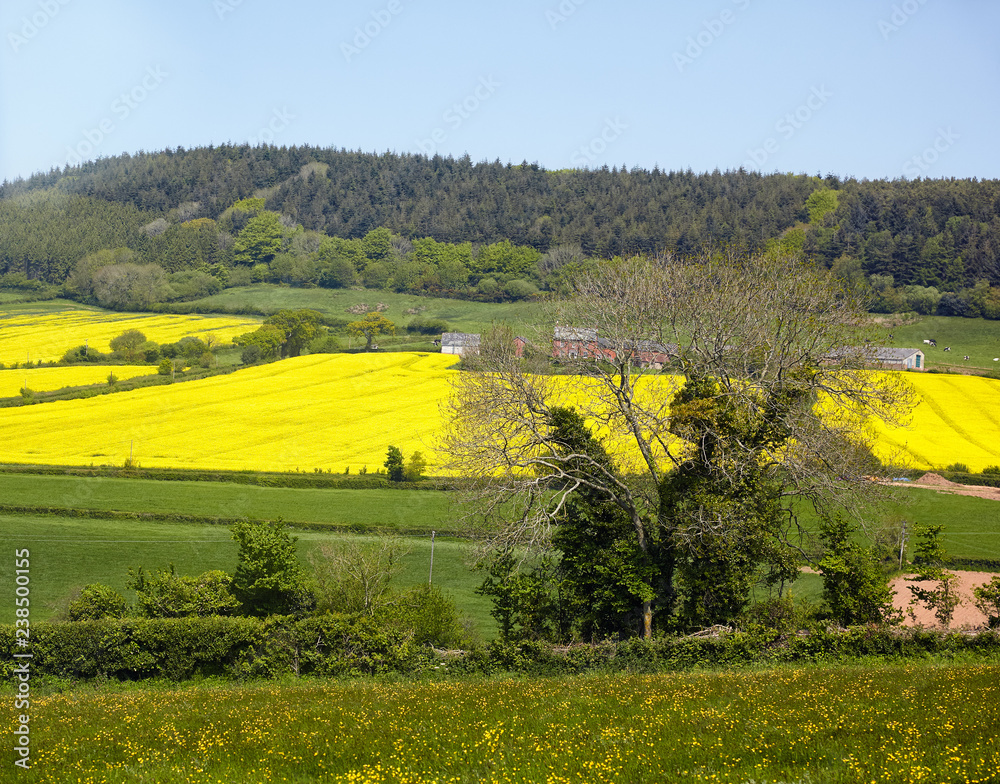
229	215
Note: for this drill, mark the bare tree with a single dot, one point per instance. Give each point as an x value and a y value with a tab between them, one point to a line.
353	573
764	343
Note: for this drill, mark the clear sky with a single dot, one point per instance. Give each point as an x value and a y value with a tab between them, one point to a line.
863	88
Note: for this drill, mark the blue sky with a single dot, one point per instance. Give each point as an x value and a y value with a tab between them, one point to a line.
864	88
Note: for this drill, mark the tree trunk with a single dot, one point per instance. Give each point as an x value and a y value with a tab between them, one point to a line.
647	620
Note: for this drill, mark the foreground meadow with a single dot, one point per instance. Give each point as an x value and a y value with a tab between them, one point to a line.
907	723
41	334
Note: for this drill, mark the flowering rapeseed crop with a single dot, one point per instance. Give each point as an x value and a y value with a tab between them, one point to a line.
957	420
50	378
327	411
47	336
334	411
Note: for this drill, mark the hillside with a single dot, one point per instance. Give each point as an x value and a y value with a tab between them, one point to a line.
922	245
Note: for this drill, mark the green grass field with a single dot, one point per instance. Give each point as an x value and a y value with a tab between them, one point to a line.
68	553
912	723
411	510
977	338
461	315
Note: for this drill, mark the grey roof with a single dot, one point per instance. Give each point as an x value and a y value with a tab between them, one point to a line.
889	354
460	339
575	333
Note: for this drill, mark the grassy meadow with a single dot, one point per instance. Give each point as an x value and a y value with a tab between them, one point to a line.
909	723
402	510
979	339
461	315
68	553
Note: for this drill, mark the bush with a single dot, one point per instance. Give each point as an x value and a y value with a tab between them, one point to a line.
251	355
84	354
421	326
987	599
97	601
958	467
165	594
520	289
427	614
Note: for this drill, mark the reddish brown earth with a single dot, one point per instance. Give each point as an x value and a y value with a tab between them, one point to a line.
966	615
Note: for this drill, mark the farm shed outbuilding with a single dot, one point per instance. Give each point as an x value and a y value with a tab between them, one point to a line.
459	342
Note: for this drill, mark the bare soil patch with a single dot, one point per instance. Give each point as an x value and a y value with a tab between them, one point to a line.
932	481
966	615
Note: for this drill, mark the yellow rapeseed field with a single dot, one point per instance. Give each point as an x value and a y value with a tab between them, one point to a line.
338	411
327	411
47	336
46	379
957	420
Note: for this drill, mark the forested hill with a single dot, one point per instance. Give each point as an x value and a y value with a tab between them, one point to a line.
943	233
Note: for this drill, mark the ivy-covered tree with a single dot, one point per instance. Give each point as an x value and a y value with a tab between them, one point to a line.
714	472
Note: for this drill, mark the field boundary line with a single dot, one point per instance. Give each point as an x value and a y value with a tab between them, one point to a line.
172	517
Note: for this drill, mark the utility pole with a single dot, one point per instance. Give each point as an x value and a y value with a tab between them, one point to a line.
430	577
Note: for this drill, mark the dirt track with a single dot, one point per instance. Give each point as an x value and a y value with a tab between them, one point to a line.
932	481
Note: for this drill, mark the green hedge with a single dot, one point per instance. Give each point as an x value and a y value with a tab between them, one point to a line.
241	648
263	479
179	648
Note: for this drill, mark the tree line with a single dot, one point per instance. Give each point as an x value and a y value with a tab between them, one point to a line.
186	211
